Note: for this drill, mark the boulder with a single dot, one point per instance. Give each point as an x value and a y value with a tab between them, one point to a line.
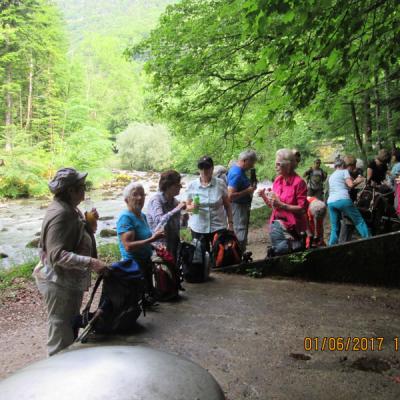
3	255
109	218
104	233
33	243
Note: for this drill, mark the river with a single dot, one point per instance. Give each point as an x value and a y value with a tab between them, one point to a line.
21	220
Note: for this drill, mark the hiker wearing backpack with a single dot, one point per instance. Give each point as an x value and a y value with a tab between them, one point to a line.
316	177
240	192
67	256
208	202
164	211
135	236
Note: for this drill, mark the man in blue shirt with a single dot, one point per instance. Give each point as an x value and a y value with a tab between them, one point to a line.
240	192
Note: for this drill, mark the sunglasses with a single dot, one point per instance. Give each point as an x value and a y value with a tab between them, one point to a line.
281	164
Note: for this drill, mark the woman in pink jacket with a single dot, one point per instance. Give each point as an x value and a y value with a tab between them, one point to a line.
288	200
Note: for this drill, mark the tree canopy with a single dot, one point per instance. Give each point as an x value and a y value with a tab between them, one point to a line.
240	70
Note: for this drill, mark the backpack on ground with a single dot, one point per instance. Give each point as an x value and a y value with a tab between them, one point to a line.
121	301
166	276
194	261
225	249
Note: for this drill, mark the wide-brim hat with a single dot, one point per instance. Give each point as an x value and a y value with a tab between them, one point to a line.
65	178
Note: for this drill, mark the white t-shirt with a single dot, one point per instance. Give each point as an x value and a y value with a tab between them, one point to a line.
211	216
338	190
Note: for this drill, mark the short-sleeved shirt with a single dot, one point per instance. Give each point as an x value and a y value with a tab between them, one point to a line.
211	216
315	178
293	191
128	222
238	180
378	172
338	190
395	173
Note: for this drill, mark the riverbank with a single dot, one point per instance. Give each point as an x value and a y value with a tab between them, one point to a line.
21	220
16	277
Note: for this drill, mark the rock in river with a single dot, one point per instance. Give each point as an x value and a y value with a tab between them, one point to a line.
33	243
108	233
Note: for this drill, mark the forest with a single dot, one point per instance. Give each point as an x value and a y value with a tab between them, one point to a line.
150	84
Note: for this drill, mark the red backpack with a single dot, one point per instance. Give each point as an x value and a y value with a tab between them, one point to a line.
225	249
166	276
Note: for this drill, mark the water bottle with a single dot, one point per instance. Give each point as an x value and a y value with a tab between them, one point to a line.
196	203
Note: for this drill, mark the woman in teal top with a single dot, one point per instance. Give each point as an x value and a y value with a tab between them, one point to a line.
134	234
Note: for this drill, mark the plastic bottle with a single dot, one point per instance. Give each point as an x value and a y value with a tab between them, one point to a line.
196	202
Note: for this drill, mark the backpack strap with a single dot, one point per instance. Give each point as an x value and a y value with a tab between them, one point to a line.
86	310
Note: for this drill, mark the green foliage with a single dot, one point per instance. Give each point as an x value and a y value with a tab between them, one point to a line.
298	258
65	109
144	147
186	235
259	217
109	253
246	74
12	278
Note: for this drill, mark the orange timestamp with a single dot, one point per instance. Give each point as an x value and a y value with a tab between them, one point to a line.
354	343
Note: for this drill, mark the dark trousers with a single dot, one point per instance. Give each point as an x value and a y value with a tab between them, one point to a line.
147	270
207	238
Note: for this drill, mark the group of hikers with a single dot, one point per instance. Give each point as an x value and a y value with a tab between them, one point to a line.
217	201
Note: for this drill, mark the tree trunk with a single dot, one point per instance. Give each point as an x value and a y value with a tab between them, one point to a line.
30	91
357	134
389	115
378	113
21	111
8	129
368	124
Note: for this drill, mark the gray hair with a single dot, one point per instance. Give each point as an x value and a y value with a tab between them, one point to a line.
317	209
248	155
286	155
131	188
219	170
339	163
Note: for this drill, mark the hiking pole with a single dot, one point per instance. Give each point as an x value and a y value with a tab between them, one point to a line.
82	337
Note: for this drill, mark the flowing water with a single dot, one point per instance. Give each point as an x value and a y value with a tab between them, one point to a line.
21	220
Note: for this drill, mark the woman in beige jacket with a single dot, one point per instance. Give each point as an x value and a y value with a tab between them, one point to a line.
68	254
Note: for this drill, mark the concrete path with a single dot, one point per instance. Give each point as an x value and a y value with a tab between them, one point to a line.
250	334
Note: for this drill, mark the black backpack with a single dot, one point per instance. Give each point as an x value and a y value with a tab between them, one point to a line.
121	301
194	261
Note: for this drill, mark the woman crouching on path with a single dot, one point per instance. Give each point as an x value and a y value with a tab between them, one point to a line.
288	200
68	255
135	236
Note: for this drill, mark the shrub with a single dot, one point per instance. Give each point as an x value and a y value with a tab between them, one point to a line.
144	147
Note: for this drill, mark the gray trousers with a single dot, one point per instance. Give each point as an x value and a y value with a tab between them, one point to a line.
241	215
62	306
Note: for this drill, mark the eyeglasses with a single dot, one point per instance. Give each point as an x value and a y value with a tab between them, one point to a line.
281	164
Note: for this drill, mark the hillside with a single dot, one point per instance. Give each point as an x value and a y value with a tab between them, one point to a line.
127	19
